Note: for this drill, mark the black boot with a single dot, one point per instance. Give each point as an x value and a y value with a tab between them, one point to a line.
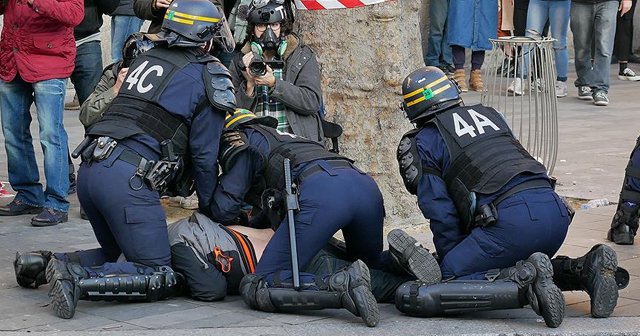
625	223
594	273
349	288
30	268
413	258
527	282
64	292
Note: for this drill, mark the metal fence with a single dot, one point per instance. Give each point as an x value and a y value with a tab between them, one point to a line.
520	82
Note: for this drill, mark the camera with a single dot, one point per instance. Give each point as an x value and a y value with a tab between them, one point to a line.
257	67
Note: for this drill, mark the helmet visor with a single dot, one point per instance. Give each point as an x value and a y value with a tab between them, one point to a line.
223	38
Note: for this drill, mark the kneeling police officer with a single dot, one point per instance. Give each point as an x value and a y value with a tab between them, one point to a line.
169	113
493	211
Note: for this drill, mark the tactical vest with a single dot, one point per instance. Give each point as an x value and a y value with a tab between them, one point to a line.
297	149
484	156
136	109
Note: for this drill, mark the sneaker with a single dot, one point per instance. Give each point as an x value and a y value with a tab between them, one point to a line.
600	98
17	208
73	105
628	75
413	258
4	192
49	217
561	89
516	87
584	93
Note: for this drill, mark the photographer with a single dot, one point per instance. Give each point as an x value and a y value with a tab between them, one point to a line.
285	81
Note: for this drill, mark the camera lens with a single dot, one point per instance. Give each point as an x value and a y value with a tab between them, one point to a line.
258	69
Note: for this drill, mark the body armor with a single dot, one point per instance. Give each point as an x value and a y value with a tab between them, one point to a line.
484	156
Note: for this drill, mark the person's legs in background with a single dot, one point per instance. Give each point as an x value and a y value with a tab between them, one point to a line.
458	63
438	52
604	34
559	23
622	46
16	98
582	27
49	100
122	26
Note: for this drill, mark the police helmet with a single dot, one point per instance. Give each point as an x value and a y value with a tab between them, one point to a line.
268	11
246	117
135	45
192	23
427	91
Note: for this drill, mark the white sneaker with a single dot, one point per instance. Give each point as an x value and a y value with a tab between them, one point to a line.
629	75
561	89
515	88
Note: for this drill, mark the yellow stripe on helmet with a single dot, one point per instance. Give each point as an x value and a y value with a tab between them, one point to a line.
415	101
428	86
435	92
423	98
196	17
236	119
173	18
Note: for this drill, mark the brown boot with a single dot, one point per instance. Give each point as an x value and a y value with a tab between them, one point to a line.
459	77
475	81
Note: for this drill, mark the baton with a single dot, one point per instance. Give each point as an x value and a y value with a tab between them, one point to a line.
292	204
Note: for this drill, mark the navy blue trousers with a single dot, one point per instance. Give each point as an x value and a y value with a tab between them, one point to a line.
331	200
124	221
530	221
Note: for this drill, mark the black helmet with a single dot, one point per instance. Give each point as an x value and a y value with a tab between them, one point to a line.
192	23
268	11
135	45
427	91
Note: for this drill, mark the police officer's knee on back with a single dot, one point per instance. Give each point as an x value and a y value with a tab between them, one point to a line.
160	134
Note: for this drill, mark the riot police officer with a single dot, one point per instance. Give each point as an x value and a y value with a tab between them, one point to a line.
491	206
332	194
169	114
625	222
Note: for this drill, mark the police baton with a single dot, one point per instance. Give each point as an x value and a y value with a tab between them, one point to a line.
292	204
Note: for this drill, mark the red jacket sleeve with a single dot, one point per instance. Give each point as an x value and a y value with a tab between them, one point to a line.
68	12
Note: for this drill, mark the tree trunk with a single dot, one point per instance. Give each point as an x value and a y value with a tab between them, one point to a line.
364	55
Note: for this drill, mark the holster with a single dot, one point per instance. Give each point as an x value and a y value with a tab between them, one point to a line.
273	206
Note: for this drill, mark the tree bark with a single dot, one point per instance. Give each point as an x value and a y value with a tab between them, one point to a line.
364	55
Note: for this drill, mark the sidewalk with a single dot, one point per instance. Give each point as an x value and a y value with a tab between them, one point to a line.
594	147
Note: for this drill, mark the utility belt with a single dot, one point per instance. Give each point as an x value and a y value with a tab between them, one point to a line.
316	168
156	174
487	215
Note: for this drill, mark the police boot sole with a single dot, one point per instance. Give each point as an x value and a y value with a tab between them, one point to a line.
548	295
57	270
64	295
361	295
420	262
604	295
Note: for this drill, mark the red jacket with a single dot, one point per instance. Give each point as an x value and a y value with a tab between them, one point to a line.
37	40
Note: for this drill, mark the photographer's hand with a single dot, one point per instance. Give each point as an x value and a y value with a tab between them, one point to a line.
251	83
268	79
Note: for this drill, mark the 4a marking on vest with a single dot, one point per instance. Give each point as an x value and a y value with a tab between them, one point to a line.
480	121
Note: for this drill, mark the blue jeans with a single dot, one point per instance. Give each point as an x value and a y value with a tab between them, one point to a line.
593	24
122	26
557	12
88	69
438	52
16	98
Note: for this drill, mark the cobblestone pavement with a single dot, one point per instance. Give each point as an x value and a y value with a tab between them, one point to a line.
594	147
